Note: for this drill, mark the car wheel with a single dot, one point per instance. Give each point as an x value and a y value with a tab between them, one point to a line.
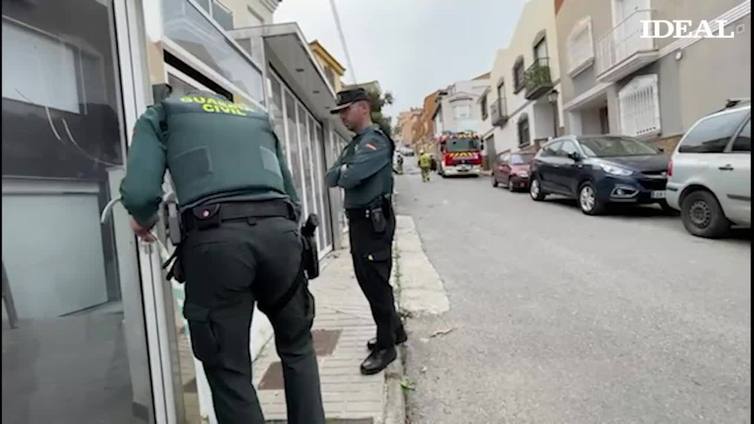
589	203
494	181
668	209
535	190
702	215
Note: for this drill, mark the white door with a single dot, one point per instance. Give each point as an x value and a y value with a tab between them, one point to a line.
735	178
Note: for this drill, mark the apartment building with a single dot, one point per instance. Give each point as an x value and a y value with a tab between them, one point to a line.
616	81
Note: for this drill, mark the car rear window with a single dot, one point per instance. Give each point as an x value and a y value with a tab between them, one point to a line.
743	139
521	159
711	135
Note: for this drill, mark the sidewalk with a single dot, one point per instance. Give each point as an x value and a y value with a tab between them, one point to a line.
342	326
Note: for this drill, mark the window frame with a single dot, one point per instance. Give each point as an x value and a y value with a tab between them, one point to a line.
501	98
229	11
551	149
484	106
518	67
561	153
524	119
728	144
732	142
580	28
541	41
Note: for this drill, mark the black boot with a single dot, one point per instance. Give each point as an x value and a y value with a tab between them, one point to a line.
378	360
400	338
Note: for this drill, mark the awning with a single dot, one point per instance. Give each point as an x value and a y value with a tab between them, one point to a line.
287	53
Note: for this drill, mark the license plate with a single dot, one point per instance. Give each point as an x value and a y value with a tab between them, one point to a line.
463	168
658	194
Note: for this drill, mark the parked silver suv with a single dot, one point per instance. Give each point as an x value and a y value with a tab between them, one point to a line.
709	176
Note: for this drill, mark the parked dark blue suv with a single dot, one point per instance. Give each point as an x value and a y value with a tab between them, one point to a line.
599	170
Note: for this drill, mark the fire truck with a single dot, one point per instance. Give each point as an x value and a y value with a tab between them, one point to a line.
459	154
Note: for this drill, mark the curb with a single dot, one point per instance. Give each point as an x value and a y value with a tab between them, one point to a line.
394	398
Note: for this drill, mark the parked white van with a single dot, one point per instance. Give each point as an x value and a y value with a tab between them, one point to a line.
709	176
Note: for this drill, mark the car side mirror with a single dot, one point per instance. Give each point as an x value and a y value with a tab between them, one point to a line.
575	156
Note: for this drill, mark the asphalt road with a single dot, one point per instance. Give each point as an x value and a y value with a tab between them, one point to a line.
558	317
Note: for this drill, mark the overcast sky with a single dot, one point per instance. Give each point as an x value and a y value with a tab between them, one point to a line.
412	47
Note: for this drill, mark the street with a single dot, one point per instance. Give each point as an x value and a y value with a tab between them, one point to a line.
559	317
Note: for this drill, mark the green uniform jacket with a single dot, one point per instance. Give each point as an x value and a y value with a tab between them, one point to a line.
364	169
231	136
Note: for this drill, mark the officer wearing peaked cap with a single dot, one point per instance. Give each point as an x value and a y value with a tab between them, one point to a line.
364	171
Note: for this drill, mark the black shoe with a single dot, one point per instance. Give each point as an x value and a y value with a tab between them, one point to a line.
378	361
400	338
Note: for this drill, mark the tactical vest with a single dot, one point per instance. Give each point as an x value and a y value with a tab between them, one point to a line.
215	146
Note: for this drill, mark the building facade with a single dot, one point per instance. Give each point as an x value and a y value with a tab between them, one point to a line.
456	109
523	92
407	126
92	330
615	81
334	71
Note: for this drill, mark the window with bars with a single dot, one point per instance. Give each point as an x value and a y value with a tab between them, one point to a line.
580	48
639	106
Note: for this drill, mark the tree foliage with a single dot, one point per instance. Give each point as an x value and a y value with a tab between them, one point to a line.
377	100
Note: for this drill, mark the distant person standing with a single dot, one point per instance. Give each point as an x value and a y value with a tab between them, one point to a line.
425	163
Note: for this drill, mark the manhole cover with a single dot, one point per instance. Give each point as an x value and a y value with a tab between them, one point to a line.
325	341
324	345
273	377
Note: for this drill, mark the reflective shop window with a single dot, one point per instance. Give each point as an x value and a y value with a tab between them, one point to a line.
186	26
293	144
306	158
74	342
321	168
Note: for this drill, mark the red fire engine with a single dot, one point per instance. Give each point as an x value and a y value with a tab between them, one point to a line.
460	154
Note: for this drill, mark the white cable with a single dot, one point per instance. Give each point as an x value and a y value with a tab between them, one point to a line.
343	40
108	208
80	149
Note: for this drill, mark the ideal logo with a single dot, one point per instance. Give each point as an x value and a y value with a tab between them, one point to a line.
681	28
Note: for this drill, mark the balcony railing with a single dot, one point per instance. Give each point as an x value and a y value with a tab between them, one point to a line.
537	78
621	43
498	113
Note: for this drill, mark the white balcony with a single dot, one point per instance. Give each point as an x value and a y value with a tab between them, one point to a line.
623	50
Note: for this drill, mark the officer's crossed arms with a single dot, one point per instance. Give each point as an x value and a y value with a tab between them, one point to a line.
368	157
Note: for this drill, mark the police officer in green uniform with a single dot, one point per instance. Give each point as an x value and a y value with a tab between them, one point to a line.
364	170
241	244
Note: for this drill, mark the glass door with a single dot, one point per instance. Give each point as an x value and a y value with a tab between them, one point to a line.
74	328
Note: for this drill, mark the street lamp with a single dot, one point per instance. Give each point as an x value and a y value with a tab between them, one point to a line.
552	97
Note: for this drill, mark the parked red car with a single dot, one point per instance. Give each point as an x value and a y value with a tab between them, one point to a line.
512	170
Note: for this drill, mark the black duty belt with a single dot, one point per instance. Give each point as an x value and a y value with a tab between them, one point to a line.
365	213
213	215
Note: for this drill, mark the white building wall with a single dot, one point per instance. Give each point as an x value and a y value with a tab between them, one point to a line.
248	13
462	93
537	15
